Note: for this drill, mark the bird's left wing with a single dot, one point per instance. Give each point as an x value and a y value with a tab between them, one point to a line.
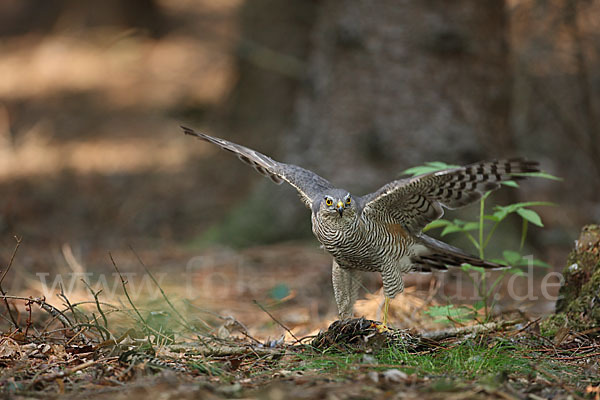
307	183
415	202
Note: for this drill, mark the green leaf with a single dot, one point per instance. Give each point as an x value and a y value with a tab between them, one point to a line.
415	171
470	226
440	311
441	165
524	262
280	291
490	218
429	167
516	271
479	305
510	183
436	224
543	175
451	229
468	267
501	212
457	313
530	216
515	206
512	257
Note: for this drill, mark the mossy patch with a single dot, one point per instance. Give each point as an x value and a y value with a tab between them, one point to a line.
578	307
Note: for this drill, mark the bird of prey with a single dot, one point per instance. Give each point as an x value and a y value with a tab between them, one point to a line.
382	231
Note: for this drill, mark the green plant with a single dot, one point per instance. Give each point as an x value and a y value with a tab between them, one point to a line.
479	232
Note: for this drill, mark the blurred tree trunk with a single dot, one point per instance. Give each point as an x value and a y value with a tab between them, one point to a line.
556	103
387	86
402	83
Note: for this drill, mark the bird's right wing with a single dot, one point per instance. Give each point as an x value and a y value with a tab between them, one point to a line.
307	183
415	202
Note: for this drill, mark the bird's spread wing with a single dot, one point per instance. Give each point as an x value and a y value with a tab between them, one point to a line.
417	201
307	183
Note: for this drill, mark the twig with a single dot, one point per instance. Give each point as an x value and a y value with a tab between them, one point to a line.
28	322
69	305
99	327
56	313
12	258
527	325
66	372
276	320
96	326
95	294
10	263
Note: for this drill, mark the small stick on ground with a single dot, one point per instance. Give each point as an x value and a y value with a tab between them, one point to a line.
10	263
276	320
66	372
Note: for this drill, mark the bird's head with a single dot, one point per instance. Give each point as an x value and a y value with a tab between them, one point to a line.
338	205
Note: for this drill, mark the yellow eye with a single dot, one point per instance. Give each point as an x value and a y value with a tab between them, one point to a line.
348	201
329	201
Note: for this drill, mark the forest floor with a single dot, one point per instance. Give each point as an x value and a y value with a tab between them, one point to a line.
241	326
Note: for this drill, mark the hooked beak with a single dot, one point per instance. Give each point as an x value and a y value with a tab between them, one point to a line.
340	207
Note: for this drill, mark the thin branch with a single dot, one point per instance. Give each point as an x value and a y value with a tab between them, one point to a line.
69	305
276	320
95	294
55	312
10	263
66	372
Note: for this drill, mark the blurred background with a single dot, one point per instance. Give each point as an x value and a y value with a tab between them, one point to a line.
92	159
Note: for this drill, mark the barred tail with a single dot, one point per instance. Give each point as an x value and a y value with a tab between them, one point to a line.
439	256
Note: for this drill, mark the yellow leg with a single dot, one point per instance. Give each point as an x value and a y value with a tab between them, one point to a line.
386	308
384	324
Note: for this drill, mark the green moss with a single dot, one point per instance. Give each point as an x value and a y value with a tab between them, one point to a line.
578	307
551	324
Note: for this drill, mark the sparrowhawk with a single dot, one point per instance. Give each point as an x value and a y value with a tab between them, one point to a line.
382	231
